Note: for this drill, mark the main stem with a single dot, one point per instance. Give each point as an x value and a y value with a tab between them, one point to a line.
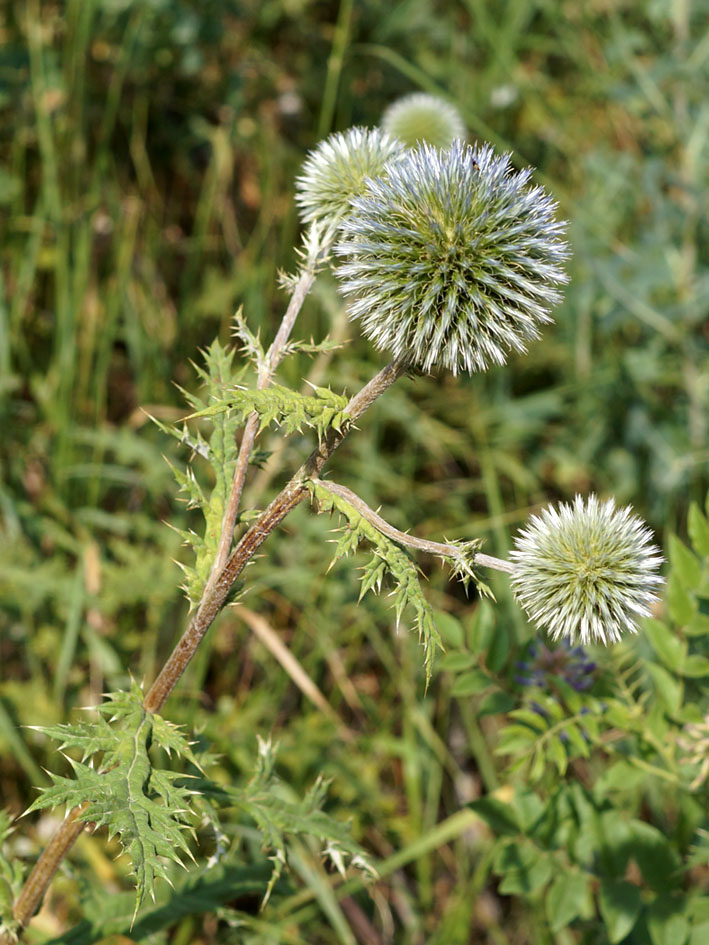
265	376
214	599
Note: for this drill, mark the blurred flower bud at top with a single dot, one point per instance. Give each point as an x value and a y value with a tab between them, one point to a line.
420	117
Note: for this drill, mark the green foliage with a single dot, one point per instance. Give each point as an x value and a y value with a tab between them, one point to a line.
602	763
11	878
388	560
280	819
152	810
148	808
190	895
147	155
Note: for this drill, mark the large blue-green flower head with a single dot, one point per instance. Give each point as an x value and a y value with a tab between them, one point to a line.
422	117
586	571
451	258
337	169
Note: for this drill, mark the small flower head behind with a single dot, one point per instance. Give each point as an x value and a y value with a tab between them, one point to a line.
337	169
451	258
423	117
586	571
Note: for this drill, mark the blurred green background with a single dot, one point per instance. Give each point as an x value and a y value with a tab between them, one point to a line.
147	157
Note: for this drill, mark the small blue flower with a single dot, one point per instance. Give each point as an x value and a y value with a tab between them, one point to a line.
543	665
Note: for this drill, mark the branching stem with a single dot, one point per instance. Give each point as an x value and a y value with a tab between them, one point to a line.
267	369
402	538
212	602
288	498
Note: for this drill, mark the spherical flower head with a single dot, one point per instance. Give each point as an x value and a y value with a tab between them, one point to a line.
426	118
337	170
586	571
451	259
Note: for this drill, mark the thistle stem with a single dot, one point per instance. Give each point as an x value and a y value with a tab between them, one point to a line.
402	538
267	369
46	866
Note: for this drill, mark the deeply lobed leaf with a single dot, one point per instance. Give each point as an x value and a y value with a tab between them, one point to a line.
149	809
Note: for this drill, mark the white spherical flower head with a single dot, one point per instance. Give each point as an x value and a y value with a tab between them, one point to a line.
452	259
426	118
337	170
586	571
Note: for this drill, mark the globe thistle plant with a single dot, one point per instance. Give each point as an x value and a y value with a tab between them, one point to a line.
337	170
586	571
452	259
426	118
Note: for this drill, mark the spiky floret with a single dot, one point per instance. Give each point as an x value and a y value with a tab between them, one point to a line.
337	169
586	570
451	259
422	117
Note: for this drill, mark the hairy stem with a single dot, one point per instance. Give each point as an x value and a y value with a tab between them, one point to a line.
432	547
276	445
44	869
288	498
212	602
266	371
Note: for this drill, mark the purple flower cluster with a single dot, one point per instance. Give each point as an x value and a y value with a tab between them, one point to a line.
542	665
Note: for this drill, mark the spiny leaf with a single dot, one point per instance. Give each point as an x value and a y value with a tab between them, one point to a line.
289	409
182	434
220	376
304	347
279	819
228	406
250	343
149	809
388	559
464	566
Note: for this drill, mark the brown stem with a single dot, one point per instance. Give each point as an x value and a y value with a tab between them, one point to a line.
46	866
273	358
294	492
212	602
276	444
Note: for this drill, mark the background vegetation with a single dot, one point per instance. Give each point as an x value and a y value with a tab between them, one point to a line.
147	157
